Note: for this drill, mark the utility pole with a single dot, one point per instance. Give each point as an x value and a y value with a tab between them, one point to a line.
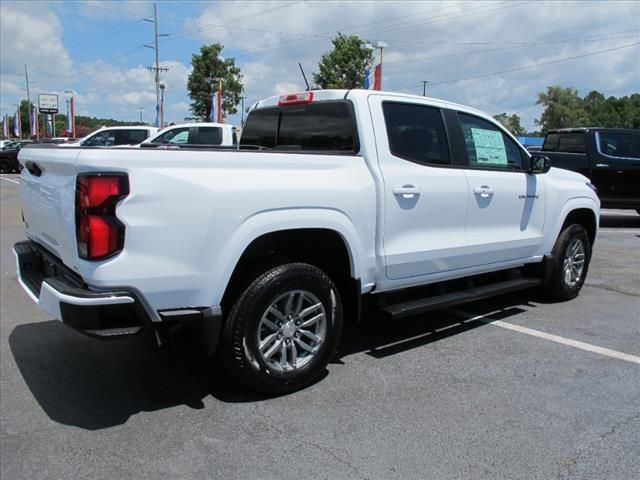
242	97
157	69
155	30
141	109
424	87
26	77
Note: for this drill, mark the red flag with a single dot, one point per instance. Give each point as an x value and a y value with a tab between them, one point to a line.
377	83
219	103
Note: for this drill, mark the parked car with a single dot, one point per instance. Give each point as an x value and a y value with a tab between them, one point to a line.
9	156
193	134
609	157
336	203
114	137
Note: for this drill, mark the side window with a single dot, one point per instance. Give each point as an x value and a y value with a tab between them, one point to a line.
174	136
208	136
416	133
617	145
98	140
137	136
487	145
571	142
121	137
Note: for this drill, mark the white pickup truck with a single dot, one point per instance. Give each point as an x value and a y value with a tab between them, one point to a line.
335	203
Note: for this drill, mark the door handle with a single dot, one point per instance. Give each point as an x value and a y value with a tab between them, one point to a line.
484	191
407	191
602	165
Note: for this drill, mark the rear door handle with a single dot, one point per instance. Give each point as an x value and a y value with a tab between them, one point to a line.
484	191
407	191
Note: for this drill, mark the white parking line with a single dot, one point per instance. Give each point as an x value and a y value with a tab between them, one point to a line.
10	180
486	318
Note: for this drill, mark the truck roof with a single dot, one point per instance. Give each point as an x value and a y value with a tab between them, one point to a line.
326	95
585	129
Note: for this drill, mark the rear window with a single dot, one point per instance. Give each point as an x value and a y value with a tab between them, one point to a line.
322	126
565	142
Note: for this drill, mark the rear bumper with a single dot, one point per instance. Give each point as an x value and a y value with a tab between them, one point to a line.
113	313
62	294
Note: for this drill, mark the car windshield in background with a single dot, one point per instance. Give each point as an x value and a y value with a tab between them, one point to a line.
320	127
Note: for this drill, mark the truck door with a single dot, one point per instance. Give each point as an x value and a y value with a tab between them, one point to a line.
425	199
507	208
616	168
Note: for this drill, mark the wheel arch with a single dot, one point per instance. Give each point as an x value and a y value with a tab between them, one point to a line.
321	237
586	218
583	211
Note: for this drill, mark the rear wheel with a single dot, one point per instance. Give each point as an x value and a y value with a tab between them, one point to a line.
570	262
283	329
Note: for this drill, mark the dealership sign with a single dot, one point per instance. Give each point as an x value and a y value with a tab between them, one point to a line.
47	103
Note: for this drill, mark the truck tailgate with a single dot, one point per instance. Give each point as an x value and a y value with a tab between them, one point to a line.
47	192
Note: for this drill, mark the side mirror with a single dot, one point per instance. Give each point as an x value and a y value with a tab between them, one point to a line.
539	164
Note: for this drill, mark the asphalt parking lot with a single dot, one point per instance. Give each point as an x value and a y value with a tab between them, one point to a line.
511	388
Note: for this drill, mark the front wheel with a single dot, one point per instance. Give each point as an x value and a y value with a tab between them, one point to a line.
283	329
570	262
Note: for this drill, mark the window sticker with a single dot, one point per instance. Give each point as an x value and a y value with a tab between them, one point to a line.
489	147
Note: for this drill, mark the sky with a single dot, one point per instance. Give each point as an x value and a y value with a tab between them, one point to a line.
492	55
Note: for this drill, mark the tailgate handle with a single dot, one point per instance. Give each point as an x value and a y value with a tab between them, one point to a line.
33	168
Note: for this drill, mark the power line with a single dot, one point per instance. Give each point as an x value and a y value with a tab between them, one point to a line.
471	52
525	67
109	37
448	16
223	24
530	42
497	49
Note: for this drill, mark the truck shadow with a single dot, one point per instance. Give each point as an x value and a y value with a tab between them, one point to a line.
92	385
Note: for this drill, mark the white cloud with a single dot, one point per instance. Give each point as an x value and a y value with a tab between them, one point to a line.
31	35
426	41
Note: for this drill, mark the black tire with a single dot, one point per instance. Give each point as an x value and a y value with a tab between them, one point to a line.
558	288
239	350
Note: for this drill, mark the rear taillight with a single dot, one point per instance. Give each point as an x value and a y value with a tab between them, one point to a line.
295	99
99	233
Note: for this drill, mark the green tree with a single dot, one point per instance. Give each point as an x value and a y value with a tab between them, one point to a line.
511	123
345	65
563	108
208	66
627	110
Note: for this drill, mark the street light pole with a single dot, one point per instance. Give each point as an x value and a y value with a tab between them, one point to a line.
424	87
162	87
141	109
26	77
381	45
72	113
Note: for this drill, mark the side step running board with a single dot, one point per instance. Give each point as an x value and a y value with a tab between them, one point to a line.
437	302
